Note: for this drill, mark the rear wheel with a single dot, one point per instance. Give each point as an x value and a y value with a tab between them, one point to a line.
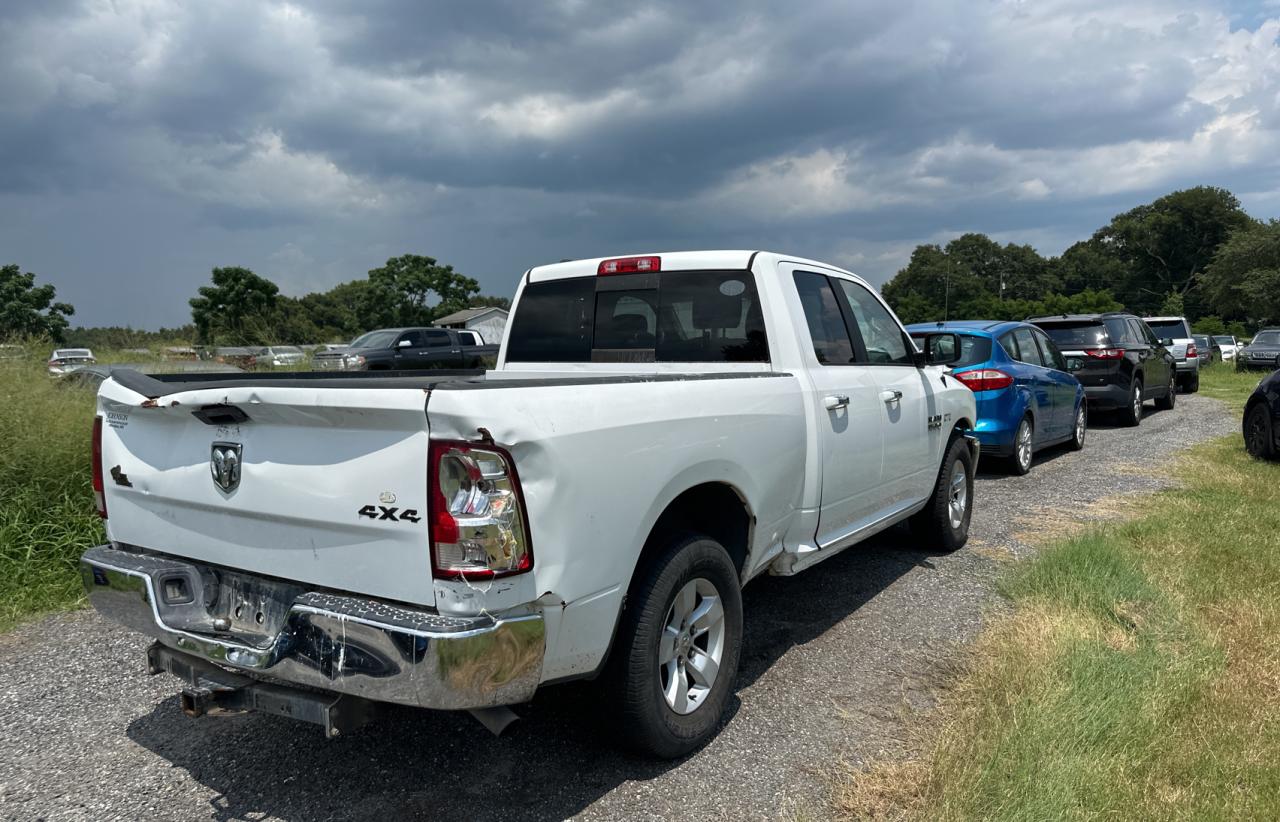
1193	384
1132	415
1081	428
1258	439
1023	450
1170	399
944	522
678	646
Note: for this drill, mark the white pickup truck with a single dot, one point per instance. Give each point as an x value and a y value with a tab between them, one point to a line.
658	431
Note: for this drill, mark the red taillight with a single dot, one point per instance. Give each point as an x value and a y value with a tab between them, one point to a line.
479	529
985	379
99	491
1105	353
630	265
1191	350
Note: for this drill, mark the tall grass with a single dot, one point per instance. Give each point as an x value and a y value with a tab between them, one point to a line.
1137	677
47	515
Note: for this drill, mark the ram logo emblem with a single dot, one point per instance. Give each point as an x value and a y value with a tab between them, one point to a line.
224	464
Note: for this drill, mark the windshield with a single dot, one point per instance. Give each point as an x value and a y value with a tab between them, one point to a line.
973	349
286	349
1224	340
1075	335
1267	338
375	339
1169	329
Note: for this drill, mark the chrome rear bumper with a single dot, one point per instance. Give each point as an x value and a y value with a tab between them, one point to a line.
343	644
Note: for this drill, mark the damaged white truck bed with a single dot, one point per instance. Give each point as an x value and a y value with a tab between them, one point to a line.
658	430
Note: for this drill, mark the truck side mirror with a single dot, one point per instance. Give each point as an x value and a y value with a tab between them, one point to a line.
404	343
942	348
1166	341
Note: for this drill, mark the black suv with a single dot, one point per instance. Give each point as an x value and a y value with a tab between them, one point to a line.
1117	359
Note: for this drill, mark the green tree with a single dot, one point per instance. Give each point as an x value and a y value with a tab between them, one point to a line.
1089	265
1243	281
1173	305
970	277
1166	245
29	309
239	308
413	290
488	300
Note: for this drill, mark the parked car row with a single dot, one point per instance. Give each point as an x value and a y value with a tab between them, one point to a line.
408	349
1262	352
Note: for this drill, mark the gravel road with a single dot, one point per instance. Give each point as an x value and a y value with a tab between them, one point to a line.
832	658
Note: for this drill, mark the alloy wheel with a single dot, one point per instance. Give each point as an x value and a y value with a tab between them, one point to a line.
691	646
1024	445
958	496
1081	427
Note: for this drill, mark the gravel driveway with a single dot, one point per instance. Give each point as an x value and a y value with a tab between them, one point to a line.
832	658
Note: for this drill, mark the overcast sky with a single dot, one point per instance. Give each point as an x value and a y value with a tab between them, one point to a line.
144	142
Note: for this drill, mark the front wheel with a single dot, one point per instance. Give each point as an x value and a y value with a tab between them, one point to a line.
1258	439
678	646
944	521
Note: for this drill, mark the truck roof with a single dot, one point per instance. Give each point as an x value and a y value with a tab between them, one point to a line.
728	260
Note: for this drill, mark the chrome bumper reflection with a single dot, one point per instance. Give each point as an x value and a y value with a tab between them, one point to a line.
344	644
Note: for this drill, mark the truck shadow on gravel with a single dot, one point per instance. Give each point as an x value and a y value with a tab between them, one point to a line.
556	761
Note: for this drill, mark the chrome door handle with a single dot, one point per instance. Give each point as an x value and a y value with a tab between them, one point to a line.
835	401
891	396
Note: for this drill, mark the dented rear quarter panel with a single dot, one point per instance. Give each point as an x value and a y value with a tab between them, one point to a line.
598	465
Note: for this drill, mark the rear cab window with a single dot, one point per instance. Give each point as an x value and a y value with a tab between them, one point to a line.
668	316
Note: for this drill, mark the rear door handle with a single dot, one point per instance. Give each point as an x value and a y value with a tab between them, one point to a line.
891	396
835	401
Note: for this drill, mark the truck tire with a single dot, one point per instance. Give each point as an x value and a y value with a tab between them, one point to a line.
1193	384
1079	429
678	645
1131	415
943	524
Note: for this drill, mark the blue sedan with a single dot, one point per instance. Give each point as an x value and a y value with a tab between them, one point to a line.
1026	399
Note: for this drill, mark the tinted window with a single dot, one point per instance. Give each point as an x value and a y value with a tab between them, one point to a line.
881	334
1169	329
1121	331
1224	340
675	316
1049	352
416	339
469	338
1009	344
1267	338
1070	335
437	339
710	317
973	349
552	322
831	343
1027	350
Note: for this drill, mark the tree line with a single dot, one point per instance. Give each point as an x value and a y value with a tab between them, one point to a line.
240	307
1192	253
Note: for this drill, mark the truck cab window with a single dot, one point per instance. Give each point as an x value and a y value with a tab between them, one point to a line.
884	339
831	342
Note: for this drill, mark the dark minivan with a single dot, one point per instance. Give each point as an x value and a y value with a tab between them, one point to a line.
1117	359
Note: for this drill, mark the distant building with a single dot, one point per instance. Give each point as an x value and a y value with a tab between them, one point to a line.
488	321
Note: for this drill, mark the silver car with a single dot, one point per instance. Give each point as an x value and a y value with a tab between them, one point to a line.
1174	334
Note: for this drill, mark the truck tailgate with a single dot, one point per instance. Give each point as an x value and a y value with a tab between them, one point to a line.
331	488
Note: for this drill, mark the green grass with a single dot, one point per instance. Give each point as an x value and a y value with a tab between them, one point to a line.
46	502
1137	677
